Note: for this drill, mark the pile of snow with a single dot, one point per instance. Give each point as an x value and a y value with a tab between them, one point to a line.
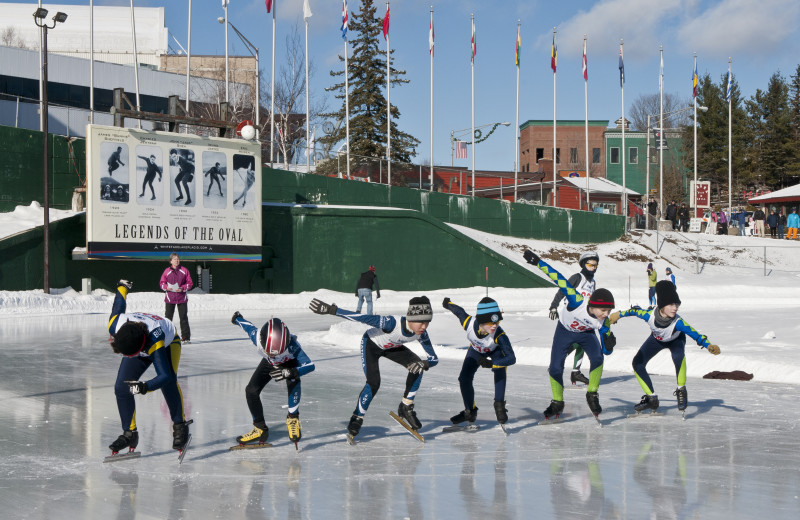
24	218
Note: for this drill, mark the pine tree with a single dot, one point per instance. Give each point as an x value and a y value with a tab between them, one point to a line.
794	124
770	127
367	84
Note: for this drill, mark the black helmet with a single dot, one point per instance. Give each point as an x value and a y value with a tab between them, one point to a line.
130	338
274	337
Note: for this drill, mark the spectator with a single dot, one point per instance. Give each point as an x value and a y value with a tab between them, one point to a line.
652	210
652	279
670	276
176	282
758	220
772	223
711	226
683	217
364	289
781	223
722	223
792	223
672	214
742	219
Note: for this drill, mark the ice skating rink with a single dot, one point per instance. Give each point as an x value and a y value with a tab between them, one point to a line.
735	456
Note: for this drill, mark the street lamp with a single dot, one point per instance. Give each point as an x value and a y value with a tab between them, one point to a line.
253	50
478	137
39	18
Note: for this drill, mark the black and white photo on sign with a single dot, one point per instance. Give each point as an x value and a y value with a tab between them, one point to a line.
181	174
149	175
115	179
215	180
244	169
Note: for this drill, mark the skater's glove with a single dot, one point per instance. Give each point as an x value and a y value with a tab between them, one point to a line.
531	257
125	283
445	302
137	387
486	362
553	313
613	317
714	349
418	366
279	374
321	307
236	314
609	342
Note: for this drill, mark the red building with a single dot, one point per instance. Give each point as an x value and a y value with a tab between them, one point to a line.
536	144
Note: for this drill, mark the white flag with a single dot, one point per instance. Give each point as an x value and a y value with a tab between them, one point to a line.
306	10
224	3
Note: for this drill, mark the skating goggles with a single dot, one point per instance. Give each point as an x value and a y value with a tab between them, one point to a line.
591	264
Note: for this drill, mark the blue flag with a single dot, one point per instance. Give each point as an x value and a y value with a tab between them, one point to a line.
621	71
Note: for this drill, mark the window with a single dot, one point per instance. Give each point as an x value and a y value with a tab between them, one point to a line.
614	159
558	155
573	155
539	154
633	155
595	155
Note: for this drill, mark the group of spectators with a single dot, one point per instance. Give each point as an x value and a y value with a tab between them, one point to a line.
758	223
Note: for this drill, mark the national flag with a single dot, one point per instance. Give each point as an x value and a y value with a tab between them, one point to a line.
621	70
461	150
306	11
345	19
224	3
519	44
585	68
729	88
430	39
694	80
268	4
473	44
553	54
386	24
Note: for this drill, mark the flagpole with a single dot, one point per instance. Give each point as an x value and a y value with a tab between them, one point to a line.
91	59
730	139
272	94
136	64
586	111
661	136
516	127
472	67
346	102
554	58
388	109
622	86
306	16
188	61
431	43
226	51
694	93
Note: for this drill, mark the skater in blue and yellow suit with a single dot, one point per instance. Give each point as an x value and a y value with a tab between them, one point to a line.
144	340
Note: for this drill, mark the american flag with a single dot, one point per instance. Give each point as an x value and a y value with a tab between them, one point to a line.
461	150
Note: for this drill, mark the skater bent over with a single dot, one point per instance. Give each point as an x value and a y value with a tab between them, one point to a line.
669	331
284	359
114	161
577	324
214	173
386	338
584	282
144	340
489	348
364	289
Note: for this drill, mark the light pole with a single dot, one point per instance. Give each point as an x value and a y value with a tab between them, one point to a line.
253	50
39	19
694	187
477	136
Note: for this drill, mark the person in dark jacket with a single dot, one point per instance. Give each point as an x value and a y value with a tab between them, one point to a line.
672	214
176	282
683	216
364	289
772	222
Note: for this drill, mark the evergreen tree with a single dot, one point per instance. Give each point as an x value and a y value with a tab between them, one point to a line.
794	123
771	133
367	84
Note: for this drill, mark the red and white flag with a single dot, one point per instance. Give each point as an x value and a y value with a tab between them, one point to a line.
461	150
268	3
430	39
585	70
386	24
474	45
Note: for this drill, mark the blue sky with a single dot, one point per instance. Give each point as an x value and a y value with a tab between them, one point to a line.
761	36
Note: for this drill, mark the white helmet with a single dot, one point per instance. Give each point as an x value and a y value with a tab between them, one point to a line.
585	257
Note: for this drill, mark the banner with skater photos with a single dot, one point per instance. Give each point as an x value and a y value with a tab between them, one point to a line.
153	193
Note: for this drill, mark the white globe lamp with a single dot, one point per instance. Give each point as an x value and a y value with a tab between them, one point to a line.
248	132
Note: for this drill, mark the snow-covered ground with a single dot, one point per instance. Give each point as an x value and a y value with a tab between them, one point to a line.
24	218
735	456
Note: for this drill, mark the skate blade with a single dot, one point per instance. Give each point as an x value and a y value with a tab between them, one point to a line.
597	418
503	427
456	428
183	450
548	422
254	446
350	439
405	425
123	456
642	414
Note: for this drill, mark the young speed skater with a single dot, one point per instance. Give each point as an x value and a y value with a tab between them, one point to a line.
489	348
284	359
144	340
387	338
669	331
583	282
577	324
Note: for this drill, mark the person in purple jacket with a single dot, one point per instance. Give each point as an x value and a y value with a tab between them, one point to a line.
176	282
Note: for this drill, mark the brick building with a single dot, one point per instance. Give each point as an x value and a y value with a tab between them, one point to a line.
536	144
